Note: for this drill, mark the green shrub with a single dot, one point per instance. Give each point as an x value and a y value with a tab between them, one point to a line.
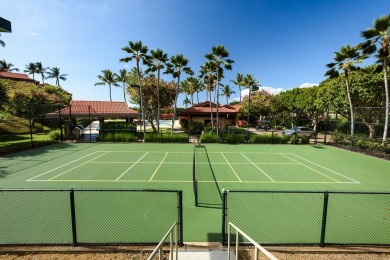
234	138
105	136
55	135
294	140
118	125
305	139
209	138
174	138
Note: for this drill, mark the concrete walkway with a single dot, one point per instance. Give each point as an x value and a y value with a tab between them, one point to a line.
206	255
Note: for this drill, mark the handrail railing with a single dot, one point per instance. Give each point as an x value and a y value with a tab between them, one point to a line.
257	246
159	247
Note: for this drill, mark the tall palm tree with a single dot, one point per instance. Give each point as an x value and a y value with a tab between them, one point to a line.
345	60
156	63
54	73
227	91
176	66
138	52
108	78
123	77
207	73
5	66
377	41
31	68
248	82
190	86
41	70
219	55
238	82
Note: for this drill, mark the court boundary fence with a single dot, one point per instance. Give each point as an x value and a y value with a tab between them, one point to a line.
23	224
339	211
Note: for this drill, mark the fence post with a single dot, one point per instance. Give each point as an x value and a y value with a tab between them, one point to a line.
31	132
73	215
224	215
60	122
180	210
324	215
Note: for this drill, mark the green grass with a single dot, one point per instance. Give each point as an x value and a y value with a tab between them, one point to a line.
169	166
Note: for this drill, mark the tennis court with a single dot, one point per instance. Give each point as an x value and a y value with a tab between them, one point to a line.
218	166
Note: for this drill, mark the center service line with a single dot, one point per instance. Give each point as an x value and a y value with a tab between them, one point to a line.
258	168
132	166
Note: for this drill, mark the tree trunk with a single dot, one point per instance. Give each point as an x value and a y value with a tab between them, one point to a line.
109	87
350	105
174	108
158	101
384	141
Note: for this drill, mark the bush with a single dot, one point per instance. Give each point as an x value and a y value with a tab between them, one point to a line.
261	139
55	135
234	138
305	139
209	138
105	136
118	125
174	138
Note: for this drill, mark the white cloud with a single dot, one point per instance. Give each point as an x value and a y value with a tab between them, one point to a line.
308	85
270	90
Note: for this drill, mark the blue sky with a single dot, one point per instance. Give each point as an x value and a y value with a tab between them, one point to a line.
283	43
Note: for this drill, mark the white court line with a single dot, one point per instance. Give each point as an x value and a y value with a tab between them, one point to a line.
231	167
77	166
158	167
61	166
258	168
325	168
128	169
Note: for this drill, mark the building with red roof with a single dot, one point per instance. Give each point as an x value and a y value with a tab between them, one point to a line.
202	113
17	77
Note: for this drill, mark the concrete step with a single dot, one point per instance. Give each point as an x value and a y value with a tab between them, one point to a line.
205	255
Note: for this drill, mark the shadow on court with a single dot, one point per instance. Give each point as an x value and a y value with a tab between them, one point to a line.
209	192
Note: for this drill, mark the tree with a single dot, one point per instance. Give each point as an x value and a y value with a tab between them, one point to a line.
54	73
176	66
207	74
138	52
123	77
190	86
248	82
186	102
219	55
41	70
227	91
149	84
345	60
261	102
107	78
238	82
31	68
4	66
377	41
156	63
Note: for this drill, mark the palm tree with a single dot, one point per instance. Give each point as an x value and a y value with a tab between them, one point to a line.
377	41
123	77
345	60
207	73
2	43
248	82
238	82
4	66
157	60
219	56
190	86
54	73
176	66
186	101
31	68
138	52
41	70
108	78
227	91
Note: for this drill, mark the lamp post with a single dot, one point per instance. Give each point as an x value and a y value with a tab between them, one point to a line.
140	106
252	88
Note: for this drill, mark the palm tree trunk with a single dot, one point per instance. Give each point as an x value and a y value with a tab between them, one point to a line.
217	100
239	88
197	96
384	141
109	87
211	112
141	101
124	91
158	101
174	108
350	105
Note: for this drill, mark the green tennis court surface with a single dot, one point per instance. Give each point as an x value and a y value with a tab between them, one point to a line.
169	166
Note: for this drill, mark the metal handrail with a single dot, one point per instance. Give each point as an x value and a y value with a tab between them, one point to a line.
257	246
160	245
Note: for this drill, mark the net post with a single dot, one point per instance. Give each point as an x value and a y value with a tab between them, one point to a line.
224	215
73	216
324	215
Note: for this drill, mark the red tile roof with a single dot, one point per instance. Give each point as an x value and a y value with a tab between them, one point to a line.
16	76
84	108
204	108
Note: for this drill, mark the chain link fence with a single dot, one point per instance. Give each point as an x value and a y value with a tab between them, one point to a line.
75	217
309	218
